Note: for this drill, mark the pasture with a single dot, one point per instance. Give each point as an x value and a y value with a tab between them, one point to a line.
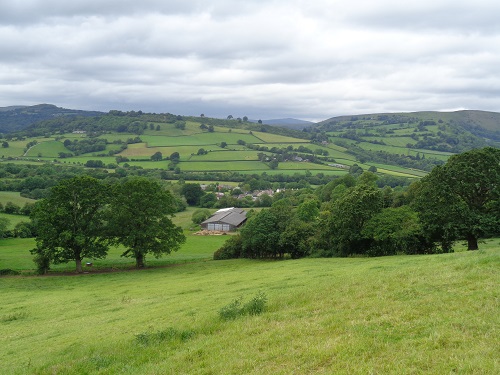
169	139
402	314
14	197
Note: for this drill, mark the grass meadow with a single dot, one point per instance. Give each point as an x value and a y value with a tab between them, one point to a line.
431	314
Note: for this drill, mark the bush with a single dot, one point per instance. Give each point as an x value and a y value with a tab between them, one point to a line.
230	250
256	305
200	215
232	310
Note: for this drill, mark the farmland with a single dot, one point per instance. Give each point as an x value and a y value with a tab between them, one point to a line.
357	314
226	146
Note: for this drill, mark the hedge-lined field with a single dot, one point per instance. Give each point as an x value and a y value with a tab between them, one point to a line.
189	140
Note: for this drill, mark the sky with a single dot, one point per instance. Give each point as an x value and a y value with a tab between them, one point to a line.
265	59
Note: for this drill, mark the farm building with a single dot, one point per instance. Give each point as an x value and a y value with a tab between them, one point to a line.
226	219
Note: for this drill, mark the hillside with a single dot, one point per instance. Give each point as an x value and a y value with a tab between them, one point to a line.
443	131
428	314
17	118
395	145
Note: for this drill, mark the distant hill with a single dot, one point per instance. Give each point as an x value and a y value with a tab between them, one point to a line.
17	118
291	123
439	131
481	123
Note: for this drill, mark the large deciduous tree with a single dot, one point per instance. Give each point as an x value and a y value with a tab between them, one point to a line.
69	223
192	193
461	200
140	219
349	214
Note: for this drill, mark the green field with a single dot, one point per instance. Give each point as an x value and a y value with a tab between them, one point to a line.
14	219
200	139
14	197
204	166
49	149
430	314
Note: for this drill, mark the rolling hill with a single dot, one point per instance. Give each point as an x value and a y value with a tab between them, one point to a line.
396	144
17	118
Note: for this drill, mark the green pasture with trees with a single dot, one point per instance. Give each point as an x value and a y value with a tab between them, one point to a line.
138	136
123	192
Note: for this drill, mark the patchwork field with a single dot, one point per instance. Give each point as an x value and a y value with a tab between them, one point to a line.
393	315
167	139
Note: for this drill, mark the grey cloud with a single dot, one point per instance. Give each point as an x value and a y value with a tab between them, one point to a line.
256	58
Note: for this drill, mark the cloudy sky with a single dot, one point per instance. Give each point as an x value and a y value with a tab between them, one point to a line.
308	59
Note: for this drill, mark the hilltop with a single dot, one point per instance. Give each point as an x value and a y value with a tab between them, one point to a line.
17	118
482	124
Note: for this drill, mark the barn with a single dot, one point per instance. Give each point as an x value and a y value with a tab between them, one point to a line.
226	219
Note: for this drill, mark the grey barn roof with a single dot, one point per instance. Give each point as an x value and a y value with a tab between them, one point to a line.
233	216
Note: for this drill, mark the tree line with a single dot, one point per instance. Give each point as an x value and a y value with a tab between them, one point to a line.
457	201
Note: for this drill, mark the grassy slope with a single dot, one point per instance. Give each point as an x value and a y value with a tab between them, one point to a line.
403	314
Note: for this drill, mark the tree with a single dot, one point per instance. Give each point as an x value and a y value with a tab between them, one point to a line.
308	211
208	200
349	214
223	144
175	157
140	219
5	144
396	230
296	238
4	225
11	208
260	236
461	200
192	192
157	156
70	222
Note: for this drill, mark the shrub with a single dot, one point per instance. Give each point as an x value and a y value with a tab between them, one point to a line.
8	272
200	215
255	306
232	310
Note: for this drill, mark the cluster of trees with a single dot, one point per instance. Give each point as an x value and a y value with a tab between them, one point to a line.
86	145
457	201
82	216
